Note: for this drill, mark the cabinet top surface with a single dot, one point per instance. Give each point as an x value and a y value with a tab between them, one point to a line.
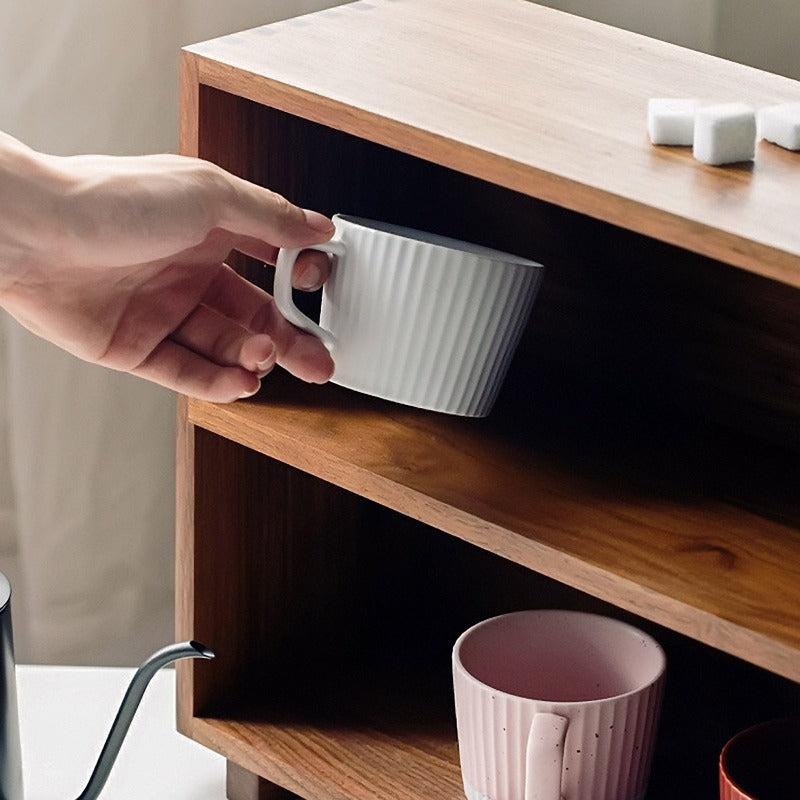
536	100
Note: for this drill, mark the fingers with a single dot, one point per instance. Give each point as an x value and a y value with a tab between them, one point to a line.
224	342
237	299
238	325
256	212
311	269
182	370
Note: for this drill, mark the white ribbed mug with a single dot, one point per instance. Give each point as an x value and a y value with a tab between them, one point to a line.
416	318
556	704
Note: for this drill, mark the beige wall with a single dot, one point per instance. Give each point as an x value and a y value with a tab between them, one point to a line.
761	33
86	454
689	23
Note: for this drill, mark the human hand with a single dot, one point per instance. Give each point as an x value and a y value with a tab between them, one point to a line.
121	261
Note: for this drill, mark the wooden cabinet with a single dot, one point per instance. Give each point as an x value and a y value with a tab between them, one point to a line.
643	458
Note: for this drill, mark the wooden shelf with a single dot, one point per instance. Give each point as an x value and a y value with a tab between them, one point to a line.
388	759
643	458
650	541
505	91
339	684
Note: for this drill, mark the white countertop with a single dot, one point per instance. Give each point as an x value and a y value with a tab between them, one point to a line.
65	714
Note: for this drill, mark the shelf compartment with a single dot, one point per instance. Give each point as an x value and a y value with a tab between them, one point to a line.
333	618
644	535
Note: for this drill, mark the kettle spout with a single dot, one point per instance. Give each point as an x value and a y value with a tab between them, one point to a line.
128	706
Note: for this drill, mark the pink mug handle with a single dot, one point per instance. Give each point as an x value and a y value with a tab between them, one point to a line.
544	757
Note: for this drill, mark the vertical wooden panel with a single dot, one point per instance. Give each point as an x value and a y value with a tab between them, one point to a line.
243	785
184	562
276	574
189	106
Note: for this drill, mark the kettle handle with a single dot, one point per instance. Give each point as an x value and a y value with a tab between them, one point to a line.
128	706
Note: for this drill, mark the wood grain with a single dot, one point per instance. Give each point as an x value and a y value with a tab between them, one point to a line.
643	457
538	101
377	717
725	575
243	785
337	763
184	560
189	88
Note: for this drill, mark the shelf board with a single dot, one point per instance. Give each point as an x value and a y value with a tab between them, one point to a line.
342	760
520	115
393	736
711	553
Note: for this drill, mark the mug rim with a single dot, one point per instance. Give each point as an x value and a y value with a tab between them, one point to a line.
789	721
436	240
643	685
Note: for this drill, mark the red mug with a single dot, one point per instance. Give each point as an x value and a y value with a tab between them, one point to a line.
761	763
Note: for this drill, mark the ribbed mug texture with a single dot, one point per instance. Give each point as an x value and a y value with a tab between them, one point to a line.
609	741
424	324
727	791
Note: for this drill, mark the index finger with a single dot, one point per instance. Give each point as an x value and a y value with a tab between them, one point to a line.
253	211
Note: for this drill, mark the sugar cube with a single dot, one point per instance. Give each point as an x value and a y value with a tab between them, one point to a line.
670	121
781	124
725	134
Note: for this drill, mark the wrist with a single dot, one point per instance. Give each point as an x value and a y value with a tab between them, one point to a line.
31	210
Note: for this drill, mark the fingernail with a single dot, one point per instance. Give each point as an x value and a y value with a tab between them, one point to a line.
250	394
309	278
267	363
263	368
328	375
319	222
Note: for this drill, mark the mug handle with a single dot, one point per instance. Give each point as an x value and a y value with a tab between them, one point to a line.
282	288
544	757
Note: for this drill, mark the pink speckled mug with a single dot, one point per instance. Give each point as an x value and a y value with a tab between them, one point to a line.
556	704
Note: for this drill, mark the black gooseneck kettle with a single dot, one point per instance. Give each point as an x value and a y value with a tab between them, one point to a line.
10	750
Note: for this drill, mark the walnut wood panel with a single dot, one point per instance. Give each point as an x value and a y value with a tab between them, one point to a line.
243	785
655	544
376	719
254	552
535	100
335	763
